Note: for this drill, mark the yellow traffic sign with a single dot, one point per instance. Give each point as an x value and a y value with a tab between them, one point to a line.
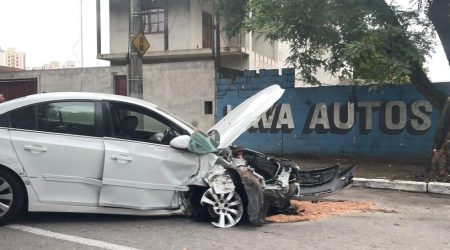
141	43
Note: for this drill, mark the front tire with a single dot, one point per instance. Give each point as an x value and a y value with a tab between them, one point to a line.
225	210
12	196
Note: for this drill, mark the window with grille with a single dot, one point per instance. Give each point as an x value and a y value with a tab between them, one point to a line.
153	20
207	30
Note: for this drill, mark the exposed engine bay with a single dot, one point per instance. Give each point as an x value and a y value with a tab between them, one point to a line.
278	178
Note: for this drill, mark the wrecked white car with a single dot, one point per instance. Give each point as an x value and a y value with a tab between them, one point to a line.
99	153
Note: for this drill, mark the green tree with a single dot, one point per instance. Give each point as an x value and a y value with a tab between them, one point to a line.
367	41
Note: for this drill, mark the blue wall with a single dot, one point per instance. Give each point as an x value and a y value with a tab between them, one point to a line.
356	141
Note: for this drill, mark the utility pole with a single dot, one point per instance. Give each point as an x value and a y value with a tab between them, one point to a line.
216	39
82	46
135	76
217	44
81	34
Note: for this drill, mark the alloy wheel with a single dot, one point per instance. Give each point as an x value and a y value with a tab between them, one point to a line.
226	210
6	197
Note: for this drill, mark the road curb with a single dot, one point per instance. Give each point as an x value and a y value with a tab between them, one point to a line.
439	188
410	186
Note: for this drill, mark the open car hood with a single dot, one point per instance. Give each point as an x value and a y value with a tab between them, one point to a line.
245	115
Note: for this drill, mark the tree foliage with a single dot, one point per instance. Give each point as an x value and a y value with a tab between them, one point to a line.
370	40
353	39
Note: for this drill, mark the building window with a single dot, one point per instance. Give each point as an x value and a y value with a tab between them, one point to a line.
153	20
208	108
207	30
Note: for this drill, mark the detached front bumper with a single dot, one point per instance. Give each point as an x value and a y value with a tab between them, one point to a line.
322	182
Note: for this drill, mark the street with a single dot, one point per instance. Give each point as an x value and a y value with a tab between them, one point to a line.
419	221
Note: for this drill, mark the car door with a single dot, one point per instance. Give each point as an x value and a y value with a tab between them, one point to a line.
141	170
61	149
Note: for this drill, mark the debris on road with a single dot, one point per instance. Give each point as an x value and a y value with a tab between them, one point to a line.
308	211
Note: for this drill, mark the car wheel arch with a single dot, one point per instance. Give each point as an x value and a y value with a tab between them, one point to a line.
255	208
20	180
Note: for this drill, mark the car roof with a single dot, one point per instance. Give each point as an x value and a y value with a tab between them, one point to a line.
81	96
61	96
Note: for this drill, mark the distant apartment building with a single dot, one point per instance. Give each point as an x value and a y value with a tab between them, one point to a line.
69	65
52	65
183	30
56	65
13	58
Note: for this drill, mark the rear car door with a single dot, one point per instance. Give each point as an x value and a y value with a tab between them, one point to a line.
141	170
60	146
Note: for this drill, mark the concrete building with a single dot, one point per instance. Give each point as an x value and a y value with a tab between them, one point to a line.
56	65
182	30
181	88
179	68
14	59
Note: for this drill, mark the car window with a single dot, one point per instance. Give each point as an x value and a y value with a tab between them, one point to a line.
4	120
139	124
77	118
24	118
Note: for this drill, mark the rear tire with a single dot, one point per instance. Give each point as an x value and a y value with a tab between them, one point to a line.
12	196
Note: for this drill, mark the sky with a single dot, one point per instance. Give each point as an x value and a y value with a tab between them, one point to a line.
50	30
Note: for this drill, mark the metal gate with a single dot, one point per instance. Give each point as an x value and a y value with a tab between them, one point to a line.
12	89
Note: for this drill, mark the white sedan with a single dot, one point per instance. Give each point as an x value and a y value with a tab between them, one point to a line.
99	153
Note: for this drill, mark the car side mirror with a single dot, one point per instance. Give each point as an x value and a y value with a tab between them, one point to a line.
180	142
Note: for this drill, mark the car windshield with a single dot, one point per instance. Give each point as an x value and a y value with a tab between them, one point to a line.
201	143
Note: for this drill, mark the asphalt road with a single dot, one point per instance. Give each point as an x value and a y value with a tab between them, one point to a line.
421	221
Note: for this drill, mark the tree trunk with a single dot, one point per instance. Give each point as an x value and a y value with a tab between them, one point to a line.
439	15
423	84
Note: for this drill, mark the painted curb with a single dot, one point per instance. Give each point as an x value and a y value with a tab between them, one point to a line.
439	188
410	186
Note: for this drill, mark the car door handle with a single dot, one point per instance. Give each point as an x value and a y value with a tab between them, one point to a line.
35	148
121	158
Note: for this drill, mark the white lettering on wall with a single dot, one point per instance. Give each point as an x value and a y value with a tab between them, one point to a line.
426	121
350	116
368	108
401	115
320	116
393	116
285	117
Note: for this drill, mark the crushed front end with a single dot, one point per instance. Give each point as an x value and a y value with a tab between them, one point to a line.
270	183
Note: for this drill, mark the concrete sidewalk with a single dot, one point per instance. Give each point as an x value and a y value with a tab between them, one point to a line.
411	186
